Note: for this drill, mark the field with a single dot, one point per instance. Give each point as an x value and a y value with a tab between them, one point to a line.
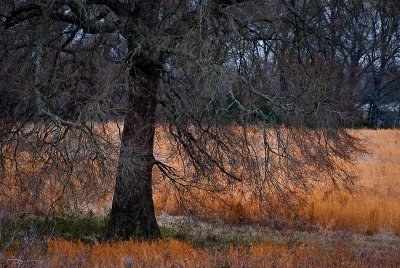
333	228
372	207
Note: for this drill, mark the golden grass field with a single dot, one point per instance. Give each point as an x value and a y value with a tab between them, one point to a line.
372	210
373	206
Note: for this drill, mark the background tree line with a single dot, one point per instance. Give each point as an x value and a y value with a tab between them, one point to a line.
360	37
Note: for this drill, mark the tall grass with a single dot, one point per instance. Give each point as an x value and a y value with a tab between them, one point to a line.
373	206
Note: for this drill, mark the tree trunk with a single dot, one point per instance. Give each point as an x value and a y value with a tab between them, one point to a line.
132	213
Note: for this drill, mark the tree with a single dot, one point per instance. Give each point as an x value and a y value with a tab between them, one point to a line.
192	65
382	81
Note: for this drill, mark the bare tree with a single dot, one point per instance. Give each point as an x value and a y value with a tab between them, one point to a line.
74	66
382	82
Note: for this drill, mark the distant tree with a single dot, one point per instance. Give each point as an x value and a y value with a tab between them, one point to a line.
208	70
382	83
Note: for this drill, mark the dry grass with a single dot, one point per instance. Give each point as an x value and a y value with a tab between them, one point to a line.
174	253
374	205
373	209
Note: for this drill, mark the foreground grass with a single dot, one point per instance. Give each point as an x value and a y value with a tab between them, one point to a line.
175	253
191	242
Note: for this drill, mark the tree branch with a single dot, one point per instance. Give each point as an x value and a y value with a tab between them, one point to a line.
77	17
24	13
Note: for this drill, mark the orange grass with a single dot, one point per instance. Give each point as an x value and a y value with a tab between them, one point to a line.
174	253
374	205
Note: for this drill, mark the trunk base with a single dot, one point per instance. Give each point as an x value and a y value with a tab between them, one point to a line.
123	227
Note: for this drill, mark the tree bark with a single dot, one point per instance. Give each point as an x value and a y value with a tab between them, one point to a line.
132	213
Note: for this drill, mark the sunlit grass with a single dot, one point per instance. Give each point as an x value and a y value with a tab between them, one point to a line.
373	206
